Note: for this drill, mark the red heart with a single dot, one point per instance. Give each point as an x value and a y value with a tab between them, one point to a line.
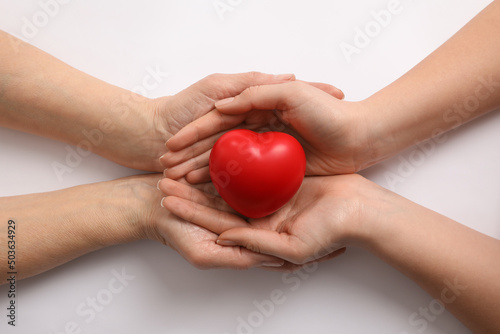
257	173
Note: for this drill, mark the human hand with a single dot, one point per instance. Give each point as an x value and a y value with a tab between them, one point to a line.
146	124
196	244
333	132
326	215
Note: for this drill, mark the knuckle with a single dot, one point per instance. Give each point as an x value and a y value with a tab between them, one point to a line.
221	223
297	87
254	75
253	246
212	78
250	91
244	262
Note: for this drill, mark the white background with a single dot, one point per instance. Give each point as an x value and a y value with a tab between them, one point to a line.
117	41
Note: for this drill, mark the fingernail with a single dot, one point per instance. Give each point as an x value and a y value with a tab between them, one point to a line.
158	184
223	102
273	264
284	77
341	92
166	144
161	203
225	242
160	160
165	172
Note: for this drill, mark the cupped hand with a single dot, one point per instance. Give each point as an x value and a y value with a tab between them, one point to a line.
333	132
195	243
327	214
142	142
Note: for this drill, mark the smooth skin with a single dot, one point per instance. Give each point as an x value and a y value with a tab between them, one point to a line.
456	83
339	137
453	263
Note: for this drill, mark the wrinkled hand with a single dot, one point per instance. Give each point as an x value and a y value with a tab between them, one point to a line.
196	244
326	215
333	132
142	143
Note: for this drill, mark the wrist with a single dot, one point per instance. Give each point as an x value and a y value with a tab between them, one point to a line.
385	220
124	210
131	131
377	139
114	218
372	208
140	201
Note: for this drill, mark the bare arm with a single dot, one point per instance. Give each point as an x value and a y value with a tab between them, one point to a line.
458	266
42	95
55	227
455	84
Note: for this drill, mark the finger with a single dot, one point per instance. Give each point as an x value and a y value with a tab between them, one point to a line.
208	133
203	127
235	258
327	88
281	245
203	194
217	87
197	245
268	97
201	175
173	158
287	267
209	218
182	169
291	267
207	188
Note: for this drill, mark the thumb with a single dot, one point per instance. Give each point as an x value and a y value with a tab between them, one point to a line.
265	97
282	245
327	88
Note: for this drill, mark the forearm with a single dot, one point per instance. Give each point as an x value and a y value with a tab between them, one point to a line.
458	266
40	94
456	83
53	228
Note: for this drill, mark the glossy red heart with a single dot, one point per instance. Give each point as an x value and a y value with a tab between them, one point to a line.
257	173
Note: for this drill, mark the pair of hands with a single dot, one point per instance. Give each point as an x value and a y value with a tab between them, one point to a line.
323	217
166	117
